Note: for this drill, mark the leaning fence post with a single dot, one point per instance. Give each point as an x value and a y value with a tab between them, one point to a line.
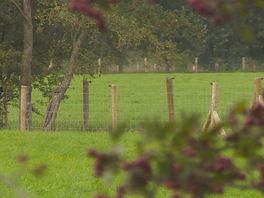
258	86
169	82
209	120
214	96
86	104
213	118
258	93
114	106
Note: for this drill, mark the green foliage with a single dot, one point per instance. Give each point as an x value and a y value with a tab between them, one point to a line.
190	161
9	80
235	33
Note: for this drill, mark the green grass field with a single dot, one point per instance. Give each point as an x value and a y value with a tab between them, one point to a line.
143	96
140	96
70	172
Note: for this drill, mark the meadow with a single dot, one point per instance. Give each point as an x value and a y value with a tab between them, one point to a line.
70	172
142	96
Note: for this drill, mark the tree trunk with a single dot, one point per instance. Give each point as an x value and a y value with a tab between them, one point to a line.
60	91
85	104
27	58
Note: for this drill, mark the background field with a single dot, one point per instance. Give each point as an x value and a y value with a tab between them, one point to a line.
143	96
70	172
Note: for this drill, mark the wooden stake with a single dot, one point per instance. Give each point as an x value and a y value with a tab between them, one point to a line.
138	68
29	108
114	106
261	101
86	104
243	63
213	118
99	67
214	96
258	86
208	120
169	82
23	108
258	94
145	64
217	121
196	64
19	107
213	104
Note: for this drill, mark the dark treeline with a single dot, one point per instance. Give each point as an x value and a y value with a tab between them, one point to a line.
166	36
169	34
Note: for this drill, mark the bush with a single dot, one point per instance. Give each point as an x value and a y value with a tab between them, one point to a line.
187	160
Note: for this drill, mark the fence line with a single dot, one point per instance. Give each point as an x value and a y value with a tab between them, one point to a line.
92	107
212	64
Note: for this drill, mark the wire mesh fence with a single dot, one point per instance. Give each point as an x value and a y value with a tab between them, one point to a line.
138	97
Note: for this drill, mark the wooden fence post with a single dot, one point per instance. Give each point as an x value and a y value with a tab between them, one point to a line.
196	64
258	86
23	107
114	106
169	82
213	118
243	63
19	107
86	104
29	108
138	68
208	123
99	67
258	99
145	64
214	96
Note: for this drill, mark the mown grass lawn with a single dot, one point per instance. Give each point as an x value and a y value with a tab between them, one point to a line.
70	172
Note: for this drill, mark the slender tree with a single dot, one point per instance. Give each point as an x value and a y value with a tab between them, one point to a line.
26	64
60	91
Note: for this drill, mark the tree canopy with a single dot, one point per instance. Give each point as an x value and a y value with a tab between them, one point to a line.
168	34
